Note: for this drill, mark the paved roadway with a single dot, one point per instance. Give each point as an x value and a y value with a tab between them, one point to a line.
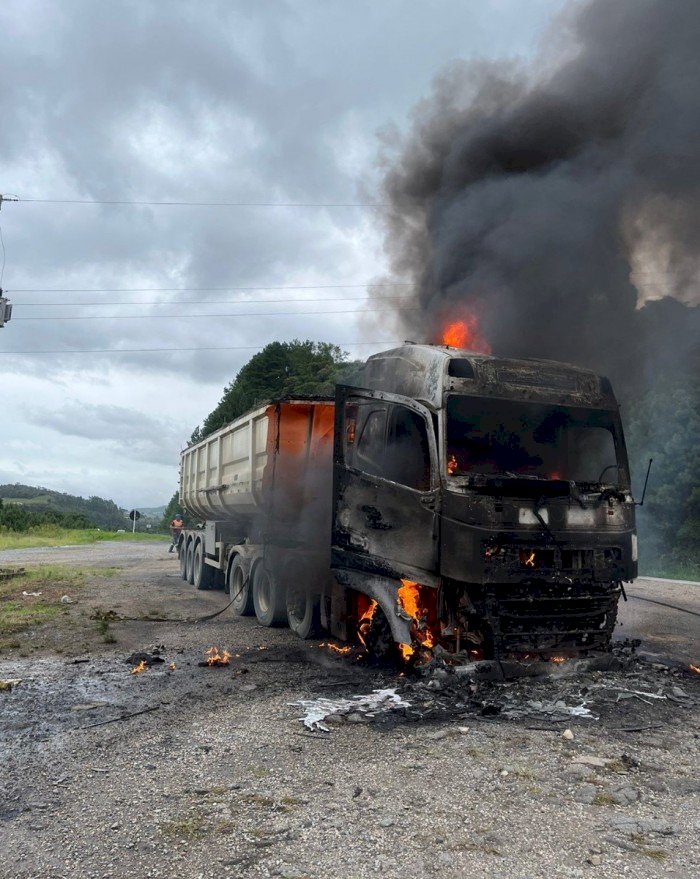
665	633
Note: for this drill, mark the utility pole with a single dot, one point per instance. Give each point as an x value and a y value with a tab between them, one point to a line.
5	304
5	309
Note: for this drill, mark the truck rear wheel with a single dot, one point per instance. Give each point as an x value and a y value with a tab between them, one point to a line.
303	611
182	554
239	588
202	573
189	561
269	598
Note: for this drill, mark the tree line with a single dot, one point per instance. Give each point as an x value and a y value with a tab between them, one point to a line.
14	517
58	507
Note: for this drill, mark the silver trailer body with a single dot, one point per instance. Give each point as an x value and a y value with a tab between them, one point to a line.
221	477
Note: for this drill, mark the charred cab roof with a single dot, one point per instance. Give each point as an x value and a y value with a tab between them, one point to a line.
426	372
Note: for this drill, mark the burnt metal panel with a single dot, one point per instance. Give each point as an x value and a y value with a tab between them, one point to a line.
380	525
423	373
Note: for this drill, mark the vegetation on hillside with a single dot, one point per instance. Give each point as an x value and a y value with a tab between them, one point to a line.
14	517
95	511
665	425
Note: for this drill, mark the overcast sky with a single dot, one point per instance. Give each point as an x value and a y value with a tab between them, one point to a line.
265	101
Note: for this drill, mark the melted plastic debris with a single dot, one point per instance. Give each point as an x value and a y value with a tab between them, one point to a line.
376	702
552	709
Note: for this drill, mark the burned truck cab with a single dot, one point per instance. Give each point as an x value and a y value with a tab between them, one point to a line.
482	503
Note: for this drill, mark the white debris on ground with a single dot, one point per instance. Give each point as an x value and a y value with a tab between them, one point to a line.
376	702
552	709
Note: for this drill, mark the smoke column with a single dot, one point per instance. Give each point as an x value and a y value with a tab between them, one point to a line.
559	203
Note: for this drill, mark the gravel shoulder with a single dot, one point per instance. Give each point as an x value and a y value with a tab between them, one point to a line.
218	777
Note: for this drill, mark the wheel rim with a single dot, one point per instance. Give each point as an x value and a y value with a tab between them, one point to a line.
296	604
264	592
238	591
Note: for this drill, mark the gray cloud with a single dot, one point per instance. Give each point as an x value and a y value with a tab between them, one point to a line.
197	101
143	437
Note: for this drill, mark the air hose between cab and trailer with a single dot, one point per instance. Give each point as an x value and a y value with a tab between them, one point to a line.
209	616
693	613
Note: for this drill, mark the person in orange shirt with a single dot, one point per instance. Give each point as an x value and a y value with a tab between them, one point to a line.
176	527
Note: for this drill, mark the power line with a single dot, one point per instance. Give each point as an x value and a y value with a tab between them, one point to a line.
180	350
229	289
203	204
196	316
215	301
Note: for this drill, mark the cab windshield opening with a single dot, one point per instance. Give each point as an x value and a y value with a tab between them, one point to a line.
531	440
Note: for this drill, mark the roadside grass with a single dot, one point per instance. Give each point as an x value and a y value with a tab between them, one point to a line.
672	570
51	535
19	612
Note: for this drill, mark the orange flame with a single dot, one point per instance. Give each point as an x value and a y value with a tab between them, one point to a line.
172	666
366	621
409	599
527	558
216	658
335	648
452	465
558	659
695	668
406	651
465	333
137	669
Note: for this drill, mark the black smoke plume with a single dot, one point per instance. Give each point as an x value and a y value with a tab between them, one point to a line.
559	202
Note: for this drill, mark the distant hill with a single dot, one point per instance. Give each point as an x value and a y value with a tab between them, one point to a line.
101	512
152	512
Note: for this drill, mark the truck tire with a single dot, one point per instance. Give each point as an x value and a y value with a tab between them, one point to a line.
182	555
269	597
303	611
238	584
189	561
202	573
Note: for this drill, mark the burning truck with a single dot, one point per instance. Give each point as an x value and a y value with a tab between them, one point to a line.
451	498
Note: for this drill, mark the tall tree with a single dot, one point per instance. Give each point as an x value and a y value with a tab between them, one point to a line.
279	370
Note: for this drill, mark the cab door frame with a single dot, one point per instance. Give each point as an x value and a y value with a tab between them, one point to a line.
381	526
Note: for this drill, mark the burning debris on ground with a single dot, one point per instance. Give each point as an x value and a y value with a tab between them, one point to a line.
216	658
145	660
611	690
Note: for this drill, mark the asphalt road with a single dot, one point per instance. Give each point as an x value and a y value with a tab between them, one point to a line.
666	633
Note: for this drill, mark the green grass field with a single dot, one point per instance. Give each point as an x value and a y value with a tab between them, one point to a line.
50	535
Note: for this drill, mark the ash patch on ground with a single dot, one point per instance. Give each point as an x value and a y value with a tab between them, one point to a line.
622	692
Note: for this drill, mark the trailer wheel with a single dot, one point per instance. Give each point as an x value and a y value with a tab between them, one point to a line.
182	555
238	586
303	611
189	561
269	598
202	573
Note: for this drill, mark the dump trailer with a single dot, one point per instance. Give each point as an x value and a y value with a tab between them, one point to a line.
451	498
